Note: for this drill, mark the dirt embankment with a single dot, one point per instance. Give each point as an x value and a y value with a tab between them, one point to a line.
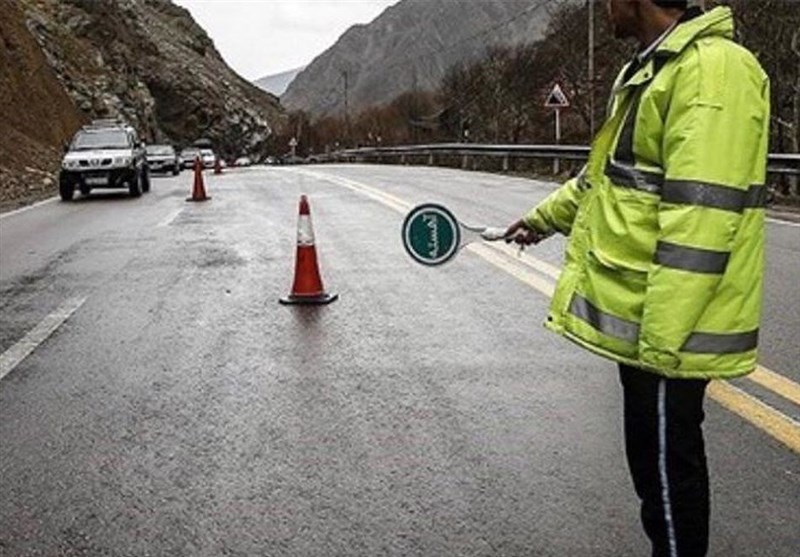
36	114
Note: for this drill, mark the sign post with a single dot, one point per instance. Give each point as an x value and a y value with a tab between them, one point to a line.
293	145
557	100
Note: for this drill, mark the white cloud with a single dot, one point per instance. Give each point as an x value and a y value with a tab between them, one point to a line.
264	37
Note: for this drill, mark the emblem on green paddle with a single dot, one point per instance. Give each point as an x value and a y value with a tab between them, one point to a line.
431	234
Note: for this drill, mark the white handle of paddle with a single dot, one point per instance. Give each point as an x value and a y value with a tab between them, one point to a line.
491	234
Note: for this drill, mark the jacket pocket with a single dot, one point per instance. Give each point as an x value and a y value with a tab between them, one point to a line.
623	228
613	287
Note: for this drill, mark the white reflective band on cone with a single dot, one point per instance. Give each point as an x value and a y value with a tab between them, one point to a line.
305	232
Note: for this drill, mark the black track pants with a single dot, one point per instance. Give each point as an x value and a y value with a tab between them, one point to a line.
667	460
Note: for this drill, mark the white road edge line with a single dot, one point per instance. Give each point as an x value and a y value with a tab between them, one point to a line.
36	336
28	208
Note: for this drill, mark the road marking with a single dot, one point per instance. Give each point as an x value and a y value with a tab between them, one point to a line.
781	221
530	260
776	383
171	217
764	417
36	336
761	415
531	279
28	208
399	205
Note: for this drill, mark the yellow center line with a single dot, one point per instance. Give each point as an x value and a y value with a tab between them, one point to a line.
764	417
530	260
771	421
399	205
531	279
776	383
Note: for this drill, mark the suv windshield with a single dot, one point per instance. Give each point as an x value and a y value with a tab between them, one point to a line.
101	139
159	150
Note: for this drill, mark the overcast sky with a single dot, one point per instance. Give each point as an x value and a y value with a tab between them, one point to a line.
264	37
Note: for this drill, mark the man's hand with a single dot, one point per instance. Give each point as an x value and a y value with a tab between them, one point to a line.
522	234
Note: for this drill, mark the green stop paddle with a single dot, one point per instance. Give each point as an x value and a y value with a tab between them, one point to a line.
432	235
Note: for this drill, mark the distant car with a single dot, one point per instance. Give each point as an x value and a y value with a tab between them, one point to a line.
292	159
104	154
163	158
188	156
208	157
242	161
272	160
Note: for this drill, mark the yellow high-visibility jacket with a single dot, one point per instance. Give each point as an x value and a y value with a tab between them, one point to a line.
665	260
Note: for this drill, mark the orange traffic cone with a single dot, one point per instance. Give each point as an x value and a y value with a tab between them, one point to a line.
199	190
217	166
307	287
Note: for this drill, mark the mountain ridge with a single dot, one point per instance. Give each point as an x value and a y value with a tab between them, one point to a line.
276	84
410	46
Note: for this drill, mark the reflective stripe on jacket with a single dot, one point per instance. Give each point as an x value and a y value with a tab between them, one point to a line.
665	260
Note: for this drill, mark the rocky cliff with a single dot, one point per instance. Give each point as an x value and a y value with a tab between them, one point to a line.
410	46
146	61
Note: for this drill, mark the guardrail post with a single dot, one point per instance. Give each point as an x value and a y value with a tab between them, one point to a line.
464	162
402	159
505	163
430	159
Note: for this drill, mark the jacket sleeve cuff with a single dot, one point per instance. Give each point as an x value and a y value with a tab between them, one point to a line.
533	219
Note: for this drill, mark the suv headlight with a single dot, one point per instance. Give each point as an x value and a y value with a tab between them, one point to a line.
123	161
69	165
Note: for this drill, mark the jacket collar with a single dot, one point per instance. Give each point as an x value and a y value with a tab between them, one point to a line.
717	22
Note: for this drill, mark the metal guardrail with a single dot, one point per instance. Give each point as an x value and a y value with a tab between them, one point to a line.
778	163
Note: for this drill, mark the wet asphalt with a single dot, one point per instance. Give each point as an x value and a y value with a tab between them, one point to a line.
182	411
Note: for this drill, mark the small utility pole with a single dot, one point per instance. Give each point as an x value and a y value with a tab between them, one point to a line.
591	70
346	109
414	136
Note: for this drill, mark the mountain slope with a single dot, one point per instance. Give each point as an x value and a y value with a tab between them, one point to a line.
277	83
411	45
150	63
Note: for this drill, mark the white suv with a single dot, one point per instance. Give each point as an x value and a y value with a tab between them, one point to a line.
104	154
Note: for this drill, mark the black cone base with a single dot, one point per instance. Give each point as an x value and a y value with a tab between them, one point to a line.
320	300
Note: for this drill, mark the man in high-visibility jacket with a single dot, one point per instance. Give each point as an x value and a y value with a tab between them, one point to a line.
665	259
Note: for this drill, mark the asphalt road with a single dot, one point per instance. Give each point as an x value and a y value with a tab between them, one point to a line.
168	405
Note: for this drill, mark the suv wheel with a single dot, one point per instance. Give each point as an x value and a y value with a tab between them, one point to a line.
135	185
146	179
66	189
176	170
85	190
